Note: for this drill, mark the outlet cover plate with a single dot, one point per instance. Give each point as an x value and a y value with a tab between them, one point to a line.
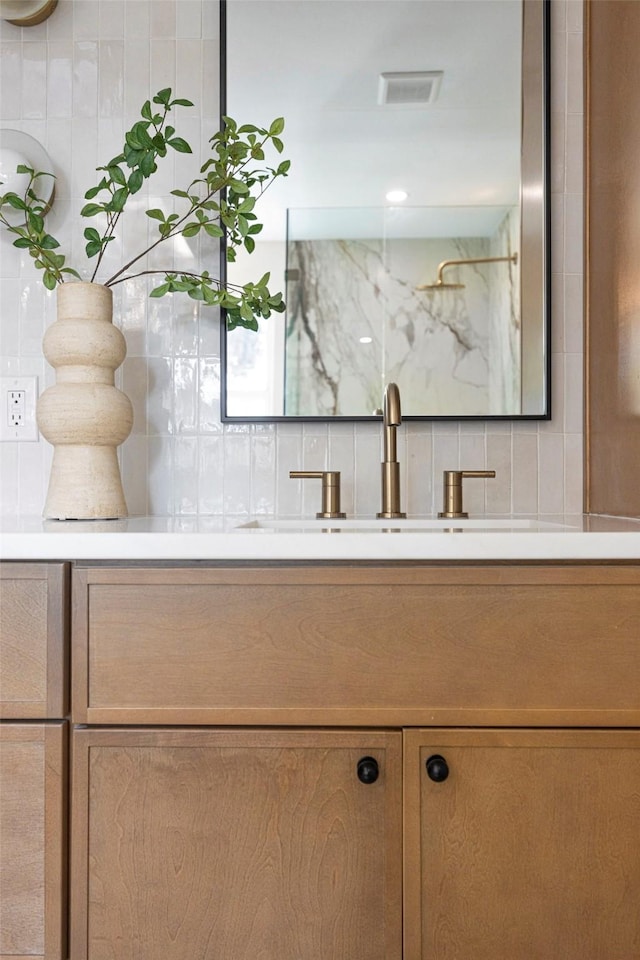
29	428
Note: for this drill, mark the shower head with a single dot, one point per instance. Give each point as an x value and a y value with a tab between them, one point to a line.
441	285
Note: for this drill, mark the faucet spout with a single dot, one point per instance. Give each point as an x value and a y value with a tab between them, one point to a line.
391	419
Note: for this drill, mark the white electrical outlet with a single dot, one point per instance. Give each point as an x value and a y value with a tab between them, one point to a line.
18	397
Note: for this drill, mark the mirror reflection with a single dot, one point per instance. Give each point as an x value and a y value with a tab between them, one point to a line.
409	238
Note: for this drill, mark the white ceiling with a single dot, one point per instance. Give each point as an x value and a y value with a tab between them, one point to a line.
317	63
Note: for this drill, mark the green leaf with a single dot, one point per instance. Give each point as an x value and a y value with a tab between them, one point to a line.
213	230
191	229
148	164
49	280
180	145
146	110
91	233
160	291
181	103
22	243
117	175
119	199
249	244
141	135
15	201
133	157
278	144
180	193
48	242
283	168
132	140
91	209
135	181
238	186
163	96
210	296
276	127
23	168
156	214
35	222
93	248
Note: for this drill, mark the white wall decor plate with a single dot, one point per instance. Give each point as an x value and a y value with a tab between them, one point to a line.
26	13
17	147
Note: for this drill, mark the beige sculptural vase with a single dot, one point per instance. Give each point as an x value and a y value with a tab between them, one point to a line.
84	415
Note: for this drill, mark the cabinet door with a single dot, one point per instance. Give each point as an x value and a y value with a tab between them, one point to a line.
234	845
529	849
33	640
32	841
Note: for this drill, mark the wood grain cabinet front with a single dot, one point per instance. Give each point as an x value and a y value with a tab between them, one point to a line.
33	834
33	640
33	746
512	645
522	844
504	839
232	845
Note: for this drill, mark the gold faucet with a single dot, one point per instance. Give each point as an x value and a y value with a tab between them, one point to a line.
391	418
452	484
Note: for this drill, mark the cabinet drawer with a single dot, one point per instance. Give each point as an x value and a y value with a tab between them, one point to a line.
33	865
33	640
358	645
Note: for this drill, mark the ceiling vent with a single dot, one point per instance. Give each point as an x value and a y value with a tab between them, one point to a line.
413	88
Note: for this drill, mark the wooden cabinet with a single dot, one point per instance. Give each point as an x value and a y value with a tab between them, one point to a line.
33	640
33	841
33	767
529	848
395	645
232	845
256	839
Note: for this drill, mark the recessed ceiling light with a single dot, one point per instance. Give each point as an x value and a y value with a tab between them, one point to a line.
366	340
396	196
409	88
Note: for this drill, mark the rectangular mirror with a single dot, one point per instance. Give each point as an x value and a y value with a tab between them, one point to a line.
445	291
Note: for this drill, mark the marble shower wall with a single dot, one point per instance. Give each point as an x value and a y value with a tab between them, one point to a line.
76	83
356	321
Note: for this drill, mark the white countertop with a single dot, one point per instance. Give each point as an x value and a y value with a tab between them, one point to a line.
214	538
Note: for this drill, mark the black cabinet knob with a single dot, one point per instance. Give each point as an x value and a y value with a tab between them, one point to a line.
368	770
437	768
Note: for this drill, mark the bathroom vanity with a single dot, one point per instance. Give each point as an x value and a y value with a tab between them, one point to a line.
335	756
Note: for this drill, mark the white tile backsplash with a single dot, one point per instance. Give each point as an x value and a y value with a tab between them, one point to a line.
74	83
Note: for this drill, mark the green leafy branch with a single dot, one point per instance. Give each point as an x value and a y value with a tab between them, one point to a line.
219	201
124	176
31	234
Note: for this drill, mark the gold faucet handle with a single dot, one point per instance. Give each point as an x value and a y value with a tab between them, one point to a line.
452	488
330	491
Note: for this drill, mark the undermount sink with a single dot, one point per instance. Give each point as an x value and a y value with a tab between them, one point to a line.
409	525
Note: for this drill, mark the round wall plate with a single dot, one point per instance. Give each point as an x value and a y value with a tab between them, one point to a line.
17	147
26	13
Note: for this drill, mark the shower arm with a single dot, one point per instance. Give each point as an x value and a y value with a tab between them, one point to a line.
457	263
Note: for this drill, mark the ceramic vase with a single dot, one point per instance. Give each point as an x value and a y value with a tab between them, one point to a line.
84	416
